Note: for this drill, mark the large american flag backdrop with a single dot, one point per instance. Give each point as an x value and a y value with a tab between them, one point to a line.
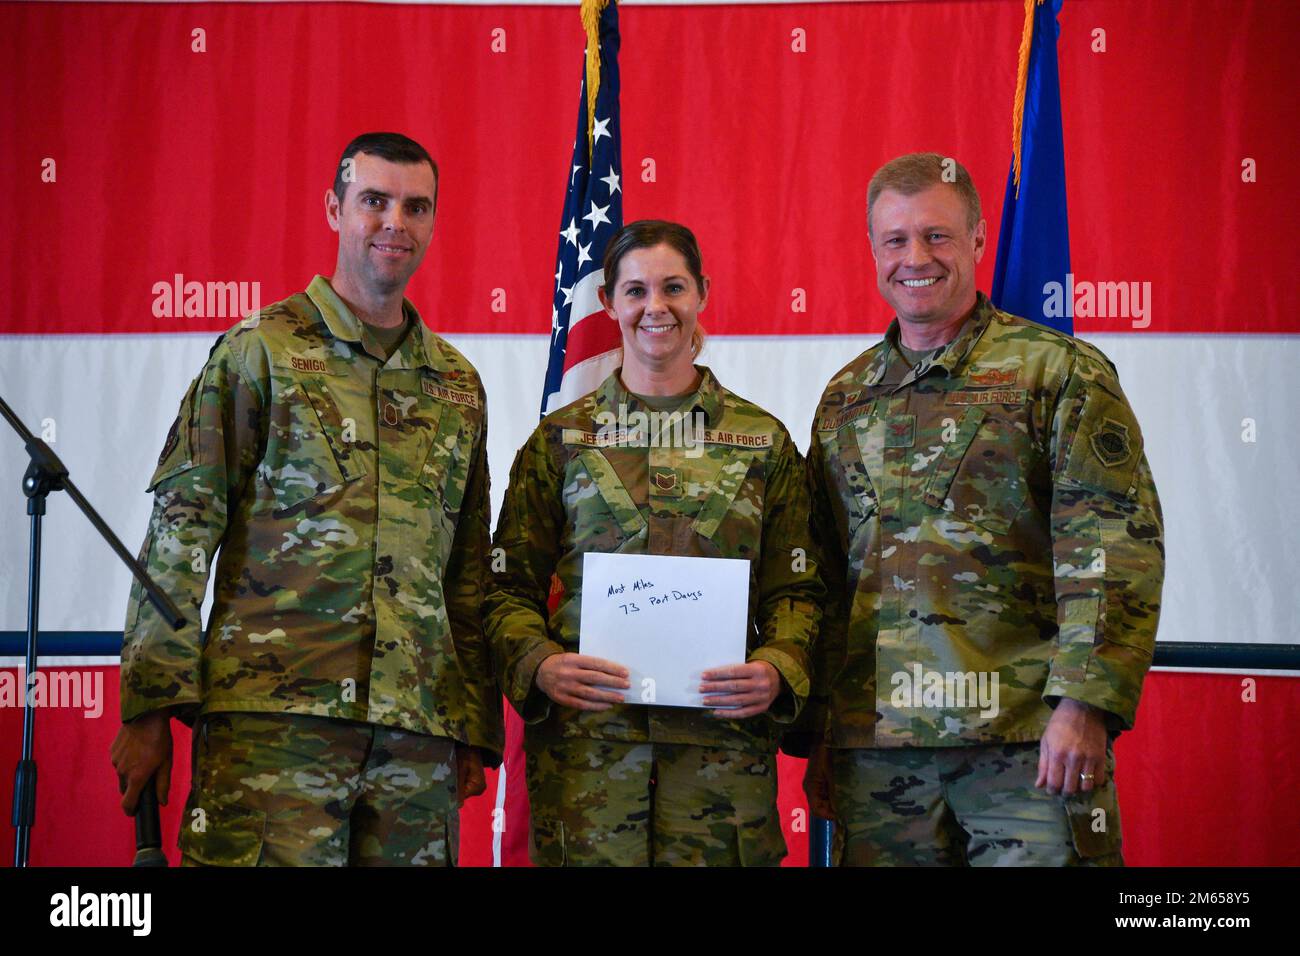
151	145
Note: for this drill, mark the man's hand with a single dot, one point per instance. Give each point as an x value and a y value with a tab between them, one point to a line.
141	748
574	680
817	782
1074	744
745	689
470	781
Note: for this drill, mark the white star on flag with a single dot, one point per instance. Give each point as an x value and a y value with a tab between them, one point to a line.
597	214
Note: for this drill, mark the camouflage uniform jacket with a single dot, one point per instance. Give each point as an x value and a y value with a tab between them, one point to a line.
988	512
349	498
585	483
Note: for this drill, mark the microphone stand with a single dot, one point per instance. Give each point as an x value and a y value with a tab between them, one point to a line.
148	835
46	473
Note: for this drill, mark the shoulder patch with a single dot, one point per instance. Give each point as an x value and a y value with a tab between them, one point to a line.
173	437
1111	443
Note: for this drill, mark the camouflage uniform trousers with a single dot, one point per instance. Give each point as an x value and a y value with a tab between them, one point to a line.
609	803
966	806
291	790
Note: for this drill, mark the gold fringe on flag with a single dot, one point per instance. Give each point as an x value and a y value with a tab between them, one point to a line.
1022	80
591	11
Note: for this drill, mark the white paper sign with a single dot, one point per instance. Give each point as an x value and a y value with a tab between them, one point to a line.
666	619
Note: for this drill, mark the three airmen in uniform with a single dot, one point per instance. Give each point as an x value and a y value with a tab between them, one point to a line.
952	604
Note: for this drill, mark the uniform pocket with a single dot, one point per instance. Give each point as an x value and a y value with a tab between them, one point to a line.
978	476
624	511
1107	445
547	838
307	454
1094	822
178	448
859	510
137	596
721	496
761	846
446	468
230	836
855	502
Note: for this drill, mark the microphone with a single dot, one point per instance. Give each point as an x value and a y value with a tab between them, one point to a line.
148	832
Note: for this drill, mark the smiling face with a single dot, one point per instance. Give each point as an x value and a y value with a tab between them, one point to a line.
656	303
384	222
925	254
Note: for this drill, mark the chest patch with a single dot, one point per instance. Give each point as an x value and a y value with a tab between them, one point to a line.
454	395
837	420
900	431
996	396
738	439
603	438
991	377
311	364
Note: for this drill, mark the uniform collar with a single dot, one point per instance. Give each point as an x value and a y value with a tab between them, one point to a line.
707	398
950	358
418	349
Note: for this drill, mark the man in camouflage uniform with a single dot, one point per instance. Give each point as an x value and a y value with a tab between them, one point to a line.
592	480
333	449
992	542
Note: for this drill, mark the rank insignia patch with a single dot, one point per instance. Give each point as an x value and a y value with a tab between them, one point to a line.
666	480
900	432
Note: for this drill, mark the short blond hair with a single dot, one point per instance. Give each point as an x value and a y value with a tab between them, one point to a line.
917	172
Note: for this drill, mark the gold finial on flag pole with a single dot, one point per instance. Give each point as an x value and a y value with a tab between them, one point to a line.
591	11
1022	80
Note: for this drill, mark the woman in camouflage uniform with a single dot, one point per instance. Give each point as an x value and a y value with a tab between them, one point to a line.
635	784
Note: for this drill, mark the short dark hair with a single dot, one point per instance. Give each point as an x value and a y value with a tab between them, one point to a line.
917	172
646	234
393	147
